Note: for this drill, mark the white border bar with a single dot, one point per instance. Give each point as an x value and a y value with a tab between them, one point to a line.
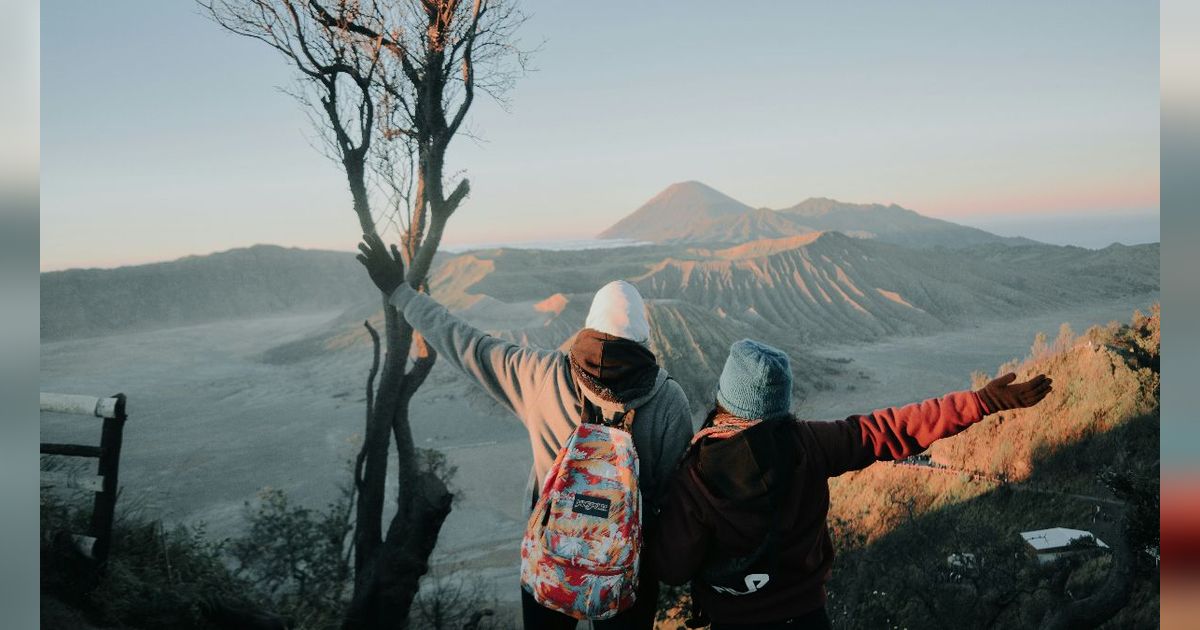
79	405
94	483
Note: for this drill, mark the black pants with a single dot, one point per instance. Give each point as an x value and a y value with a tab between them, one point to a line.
815	620
640	617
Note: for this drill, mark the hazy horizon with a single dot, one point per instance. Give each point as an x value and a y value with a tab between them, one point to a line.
1133	228
1000	115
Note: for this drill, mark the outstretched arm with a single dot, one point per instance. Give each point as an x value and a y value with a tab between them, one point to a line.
900	432
510	373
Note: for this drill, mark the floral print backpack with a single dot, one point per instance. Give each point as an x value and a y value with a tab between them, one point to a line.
583	544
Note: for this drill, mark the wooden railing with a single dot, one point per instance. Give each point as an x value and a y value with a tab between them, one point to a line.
96	543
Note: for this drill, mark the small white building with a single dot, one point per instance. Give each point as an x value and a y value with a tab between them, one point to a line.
1048	545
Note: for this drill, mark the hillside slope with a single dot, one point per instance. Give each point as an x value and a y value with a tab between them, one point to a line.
890	223
798	293
1053	465
836	287
259	280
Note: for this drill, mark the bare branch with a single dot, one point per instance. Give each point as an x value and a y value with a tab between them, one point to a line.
460	192
362	452
422	364
468	69
374	368
391	42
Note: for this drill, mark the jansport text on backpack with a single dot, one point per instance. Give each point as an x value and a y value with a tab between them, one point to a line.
583	543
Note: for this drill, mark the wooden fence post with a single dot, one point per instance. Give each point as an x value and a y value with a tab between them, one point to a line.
97	544
106	500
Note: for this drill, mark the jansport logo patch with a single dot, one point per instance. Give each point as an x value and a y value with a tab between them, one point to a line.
592	506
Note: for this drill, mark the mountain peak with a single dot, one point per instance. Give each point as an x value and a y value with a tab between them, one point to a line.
817	206
694	192
690	183
693	212
675	212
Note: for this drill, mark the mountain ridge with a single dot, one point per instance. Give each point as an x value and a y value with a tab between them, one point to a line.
693	212
798	292
672	208
240	282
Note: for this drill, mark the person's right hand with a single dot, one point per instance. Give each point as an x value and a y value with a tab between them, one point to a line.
386	270
1002	393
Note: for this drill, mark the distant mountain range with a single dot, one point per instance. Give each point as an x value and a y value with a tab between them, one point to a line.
830	286
691	212
797	292
246	282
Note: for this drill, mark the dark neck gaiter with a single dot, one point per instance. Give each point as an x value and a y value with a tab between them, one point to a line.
615	369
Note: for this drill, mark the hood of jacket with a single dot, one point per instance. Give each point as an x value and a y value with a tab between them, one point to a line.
615	374
610	406
741	473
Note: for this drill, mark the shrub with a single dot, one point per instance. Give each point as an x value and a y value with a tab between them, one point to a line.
296	557
155	577
454	600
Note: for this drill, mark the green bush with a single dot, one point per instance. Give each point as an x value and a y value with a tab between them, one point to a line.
297	558
291	562
155	577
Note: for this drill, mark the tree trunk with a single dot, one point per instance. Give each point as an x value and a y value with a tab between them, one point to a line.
408	547
389	581
388	568
370	480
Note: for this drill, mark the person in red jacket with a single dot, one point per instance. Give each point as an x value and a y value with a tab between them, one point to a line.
744	518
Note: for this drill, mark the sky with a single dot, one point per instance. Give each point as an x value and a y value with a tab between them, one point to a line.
164	136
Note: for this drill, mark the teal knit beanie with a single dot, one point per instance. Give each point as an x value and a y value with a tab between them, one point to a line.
756	382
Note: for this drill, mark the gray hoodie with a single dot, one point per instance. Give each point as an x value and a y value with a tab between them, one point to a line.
537	386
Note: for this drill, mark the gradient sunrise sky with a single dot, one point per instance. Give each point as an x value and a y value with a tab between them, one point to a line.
164	136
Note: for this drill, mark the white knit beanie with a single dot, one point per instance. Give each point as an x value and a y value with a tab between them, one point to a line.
618	310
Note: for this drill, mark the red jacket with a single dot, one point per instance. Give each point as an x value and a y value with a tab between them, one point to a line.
771	482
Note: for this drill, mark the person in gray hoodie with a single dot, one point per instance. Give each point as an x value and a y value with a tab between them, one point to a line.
608	372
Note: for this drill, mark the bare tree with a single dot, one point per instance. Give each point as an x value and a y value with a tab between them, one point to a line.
388	83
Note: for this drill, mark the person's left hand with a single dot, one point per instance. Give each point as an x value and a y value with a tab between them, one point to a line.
1002	393
386	270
